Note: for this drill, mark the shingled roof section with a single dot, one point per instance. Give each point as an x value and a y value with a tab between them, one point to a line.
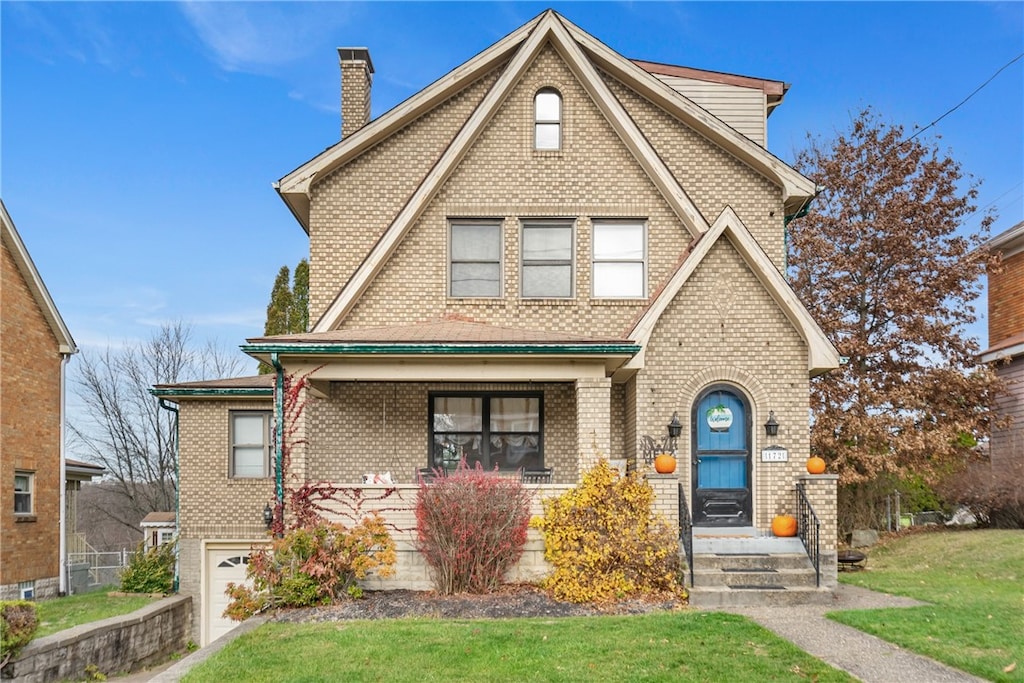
254	382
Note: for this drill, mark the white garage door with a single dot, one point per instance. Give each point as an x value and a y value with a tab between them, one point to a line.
224	565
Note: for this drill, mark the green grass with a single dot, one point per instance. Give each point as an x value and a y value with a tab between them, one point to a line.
974	581
58	614
671	646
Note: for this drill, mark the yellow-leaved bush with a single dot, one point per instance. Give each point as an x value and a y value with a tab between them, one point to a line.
605	542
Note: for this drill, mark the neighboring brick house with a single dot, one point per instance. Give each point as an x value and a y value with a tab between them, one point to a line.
1006	344
532	263
34	348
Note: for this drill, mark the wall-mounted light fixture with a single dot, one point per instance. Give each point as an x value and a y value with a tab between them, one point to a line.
771	427
268	516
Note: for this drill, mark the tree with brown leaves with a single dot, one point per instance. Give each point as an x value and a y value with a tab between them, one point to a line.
883	263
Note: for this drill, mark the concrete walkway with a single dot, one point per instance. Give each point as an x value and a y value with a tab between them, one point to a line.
870	659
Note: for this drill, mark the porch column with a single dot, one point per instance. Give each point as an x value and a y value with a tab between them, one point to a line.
593	421
296	437
822	494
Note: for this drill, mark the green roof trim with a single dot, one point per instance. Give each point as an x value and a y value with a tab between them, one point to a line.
211	391
363	348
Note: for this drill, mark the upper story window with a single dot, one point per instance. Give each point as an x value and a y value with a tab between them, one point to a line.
619	259
23	484
250	444
547	119
495	430
475	267
547	259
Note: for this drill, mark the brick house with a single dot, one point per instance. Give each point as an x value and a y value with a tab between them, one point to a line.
1006	344
35	346
533	263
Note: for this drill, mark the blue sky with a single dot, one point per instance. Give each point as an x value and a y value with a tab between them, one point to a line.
139	140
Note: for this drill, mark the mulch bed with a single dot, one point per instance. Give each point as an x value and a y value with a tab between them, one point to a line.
510	602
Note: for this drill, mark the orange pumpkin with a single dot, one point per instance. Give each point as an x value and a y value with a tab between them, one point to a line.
784	525
815	465
664	464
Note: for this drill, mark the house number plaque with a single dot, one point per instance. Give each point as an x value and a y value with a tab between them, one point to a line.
774	454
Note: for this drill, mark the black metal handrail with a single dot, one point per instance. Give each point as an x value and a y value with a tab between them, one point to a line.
809	530
686	531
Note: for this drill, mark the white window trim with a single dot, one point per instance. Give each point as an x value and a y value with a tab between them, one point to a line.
538	121
490	222
267	416
643	260
552	223
31	476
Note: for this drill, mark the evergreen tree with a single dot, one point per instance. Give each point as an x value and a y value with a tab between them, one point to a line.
288	310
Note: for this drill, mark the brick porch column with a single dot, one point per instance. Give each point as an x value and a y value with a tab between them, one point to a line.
666	496
822	494
593	421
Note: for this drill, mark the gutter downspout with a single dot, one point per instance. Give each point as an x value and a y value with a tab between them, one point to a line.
62	580
275	360
177	493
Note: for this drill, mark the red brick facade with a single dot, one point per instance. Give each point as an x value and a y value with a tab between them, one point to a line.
31	435
1006	300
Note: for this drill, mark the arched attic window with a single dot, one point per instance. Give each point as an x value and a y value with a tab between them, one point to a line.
547	119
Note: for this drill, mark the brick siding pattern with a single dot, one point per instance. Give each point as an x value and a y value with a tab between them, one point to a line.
724	327
1006	300
30	436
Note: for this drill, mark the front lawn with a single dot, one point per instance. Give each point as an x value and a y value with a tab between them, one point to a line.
974	581
57	614
670	646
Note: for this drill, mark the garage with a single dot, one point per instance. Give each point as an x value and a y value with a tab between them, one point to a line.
225	563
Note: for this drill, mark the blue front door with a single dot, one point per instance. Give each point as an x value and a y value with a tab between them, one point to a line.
721	458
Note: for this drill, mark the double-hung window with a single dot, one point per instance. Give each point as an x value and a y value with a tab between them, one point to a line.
250	444
475	266
619	251
23	483
547	259
547	119
495	430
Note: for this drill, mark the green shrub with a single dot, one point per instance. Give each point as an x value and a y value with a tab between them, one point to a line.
150	571
471	528
605	542
313	565
18	623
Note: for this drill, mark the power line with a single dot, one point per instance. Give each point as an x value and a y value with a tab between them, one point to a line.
963	101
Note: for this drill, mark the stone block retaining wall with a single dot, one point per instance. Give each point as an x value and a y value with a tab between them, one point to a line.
114	645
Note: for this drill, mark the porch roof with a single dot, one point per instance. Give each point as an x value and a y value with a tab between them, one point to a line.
255	386
445	348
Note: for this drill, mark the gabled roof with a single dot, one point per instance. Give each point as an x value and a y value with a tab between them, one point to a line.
27	268
583	54
821	355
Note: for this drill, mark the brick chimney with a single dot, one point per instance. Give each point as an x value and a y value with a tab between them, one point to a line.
356	78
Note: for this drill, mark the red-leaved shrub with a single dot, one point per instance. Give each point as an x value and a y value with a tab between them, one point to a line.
471	528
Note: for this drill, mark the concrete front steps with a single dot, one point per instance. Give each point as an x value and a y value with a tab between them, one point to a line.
741	567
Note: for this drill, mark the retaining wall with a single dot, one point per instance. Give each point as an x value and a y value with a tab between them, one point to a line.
119	644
